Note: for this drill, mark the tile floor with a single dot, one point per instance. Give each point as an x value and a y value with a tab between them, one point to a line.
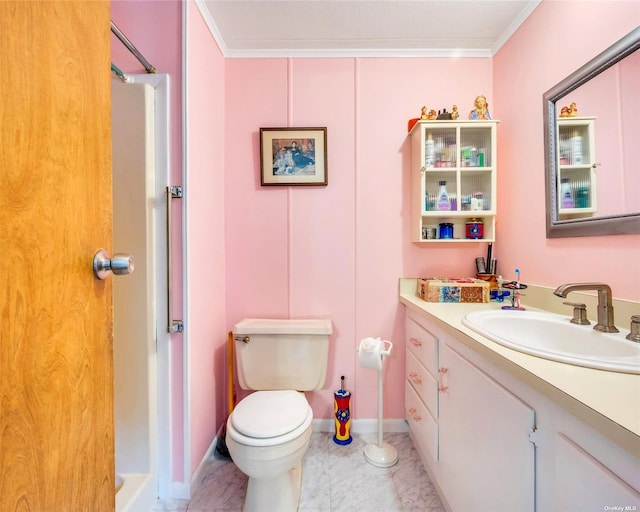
334	479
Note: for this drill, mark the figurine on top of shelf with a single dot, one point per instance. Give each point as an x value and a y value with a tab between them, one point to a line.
432	115
444	115
570	111
423	114
481	110
454	113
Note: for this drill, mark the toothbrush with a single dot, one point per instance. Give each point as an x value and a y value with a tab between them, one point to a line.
517	293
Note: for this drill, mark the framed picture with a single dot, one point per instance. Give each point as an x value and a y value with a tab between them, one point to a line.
293	156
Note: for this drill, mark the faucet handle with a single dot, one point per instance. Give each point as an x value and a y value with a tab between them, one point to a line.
634	335
579	313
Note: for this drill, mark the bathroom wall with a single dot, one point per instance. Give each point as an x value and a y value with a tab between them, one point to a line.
555	40
205	266
337	251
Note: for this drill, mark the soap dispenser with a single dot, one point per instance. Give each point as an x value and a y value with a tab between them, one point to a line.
443	197
567	196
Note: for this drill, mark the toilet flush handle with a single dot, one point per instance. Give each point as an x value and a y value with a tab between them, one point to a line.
244	339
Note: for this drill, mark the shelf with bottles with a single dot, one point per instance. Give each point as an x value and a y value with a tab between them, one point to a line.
453	178
468	228
575	196
442	190
576	165
454	145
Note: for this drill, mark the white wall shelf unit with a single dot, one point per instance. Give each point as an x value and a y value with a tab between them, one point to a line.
459	157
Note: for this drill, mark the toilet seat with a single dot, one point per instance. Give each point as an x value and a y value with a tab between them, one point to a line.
267	418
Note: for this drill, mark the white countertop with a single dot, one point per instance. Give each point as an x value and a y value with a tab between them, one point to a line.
615	397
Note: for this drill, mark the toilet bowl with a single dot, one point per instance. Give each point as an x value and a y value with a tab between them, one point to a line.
268	433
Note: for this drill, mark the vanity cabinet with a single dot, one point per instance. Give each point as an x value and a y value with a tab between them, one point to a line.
576	164
459	158
490	441
421	386
473	431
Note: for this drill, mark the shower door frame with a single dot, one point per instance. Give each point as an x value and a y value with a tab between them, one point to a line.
168	487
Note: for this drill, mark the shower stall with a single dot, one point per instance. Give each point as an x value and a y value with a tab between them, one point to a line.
140	337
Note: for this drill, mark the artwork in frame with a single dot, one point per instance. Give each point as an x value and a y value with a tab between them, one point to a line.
293	156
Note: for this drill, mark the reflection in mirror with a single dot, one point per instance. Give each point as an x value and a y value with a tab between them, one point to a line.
592	129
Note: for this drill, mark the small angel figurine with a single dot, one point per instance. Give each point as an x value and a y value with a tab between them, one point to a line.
481	110
454	113
423	114
573	110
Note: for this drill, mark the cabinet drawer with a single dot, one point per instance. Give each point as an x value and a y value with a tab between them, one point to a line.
422	344
423	382
423	426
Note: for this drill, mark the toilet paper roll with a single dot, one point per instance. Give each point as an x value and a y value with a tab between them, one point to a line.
370	353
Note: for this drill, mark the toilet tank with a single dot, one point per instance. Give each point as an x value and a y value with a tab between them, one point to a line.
281	354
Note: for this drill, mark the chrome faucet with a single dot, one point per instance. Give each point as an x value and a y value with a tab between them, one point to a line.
605	302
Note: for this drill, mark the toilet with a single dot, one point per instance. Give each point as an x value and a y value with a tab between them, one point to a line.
268	431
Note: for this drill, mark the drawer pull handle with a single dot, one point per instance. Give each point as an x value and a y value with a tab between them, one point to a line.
415	342
441	387
414	414
414	378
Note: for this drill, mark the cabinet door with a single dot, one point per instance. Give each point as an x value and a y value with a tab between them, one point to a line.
576	160
486	459
583	483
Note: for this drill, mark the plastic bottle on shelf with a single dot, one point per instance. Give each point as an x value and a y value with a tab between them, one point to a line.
443	197
429	153
576	148
567	196
426	201
481	158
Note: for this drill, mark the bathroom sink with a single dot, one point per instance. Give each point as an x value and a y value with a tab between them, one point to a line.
552	336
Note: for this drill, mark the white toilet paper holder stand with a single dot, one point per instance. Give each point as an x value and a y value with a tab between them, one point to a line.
371	354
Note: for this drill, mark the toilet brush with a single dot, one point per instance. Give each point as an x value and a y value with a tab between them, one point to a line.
341	409
371	353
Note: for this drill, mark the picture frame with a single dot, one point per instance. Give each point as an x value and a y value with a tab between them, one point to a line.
293	156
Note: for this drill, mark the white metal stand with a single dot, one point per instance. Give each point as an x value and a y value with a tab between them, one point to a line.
382	454
371	355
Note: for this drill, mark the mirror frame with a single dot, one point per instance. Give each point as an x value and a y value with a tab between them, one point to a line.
596	226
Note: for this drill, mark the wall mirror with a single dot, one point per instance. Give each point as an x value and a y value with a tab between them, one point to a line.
591	138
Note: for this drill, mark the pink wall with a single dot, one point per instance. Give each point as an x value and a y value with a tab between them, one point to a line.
536	58
336	252
205	234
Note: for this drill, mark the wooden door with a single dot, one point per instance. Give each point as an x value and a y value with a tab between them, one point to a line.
56	369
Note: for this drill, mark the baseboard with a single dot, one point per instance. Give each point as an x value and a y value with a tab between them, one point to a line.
363	426
195	477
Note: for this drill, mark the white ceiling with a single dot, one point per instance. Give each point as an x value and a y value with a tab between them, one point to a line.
272	28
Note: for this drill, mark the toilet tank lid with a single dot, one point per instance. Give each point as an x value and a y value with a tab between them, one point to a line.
283	326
